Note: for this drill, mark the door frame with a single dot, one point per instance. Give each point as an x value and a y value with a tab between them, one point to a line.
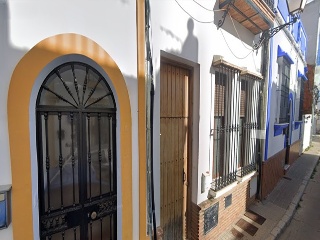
186	64
25	83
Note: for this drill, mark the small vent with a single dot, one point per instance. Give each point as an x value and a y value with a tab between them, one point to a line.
228	201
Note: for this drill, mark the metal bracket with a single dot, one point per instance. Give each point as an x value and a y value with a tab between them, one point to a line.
223	18
266	35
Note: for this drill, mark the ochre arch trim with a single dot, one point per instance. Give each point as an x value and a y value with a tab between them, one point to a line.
22	82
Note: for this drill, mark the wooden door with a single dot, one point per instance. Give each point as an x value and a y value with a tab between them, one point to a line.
174	125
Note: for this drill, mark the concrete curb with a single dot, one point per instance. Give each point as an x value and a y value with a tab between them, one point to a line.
286	218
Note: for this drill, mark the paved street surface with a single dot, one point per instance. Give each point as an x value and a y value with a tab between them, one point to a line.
297	192
306	221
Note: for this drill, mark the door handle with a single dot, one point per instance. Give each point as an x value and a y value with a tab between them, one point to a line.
183	176
93	215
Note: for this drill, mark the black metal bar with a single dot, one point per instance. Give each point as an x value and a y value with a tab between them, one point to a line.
111	222
53	110
227	119
60	161
89	153
92	90
74	233
47	160
99	99
110	155
85	85
65	85
58	96
75	82
99	153
101	225
82	168
73	160
91	230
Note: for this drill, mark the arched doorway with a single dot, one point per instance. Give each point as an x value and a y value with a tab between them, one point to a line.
76	121
22	129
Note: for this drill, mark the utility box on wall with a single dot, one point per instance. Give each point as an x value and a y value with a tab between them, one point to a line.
5	206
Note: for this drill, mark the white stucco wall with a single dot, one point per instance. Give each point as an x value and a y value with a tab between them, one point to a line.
170	34
307	131
310	19
112	24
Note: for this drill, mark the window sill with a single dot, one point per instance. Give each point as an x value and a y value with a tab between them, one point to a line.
216	194
246	177
297	124
278	128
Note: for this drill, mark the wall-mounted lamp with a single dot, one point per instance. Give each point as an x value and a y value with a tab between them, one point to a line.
5	206
295	7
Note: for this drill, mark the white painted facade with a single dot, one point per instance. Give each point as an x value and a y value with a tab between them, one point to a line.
196	49
307	132
112	25
276	142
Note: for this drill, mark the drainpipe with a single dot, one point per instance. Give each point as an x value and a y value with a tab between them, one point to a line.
265	65
152	226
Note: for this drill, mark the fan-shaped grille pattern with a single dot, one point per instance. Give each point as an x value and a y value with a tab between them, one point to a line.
76	85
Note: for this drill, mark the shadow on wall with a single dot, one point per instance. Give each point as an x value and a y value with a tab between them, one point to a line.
190	46
9	58
11	53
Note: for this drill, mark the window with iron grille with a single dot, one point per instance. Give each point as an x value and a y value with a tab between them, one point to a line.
236	99
284	75
249	119
301	100
219	128
226	126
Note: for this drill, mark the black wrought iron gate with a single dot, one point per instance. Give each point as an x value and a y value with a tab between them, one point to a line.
76	122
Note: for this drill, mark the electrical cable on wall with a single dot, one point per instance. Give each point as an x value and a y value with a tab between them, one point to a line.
152	226
234	26
231	49
199	21
211	10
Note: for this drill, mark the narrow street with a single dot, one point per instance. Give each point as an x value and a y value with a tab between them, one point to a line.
306	221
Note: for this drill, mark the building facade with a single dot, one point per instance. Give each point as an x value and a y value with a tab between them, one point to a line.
287	77
124	117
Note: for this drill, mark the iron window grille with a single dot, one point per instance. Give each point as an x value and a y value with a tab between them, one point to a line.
250	118
301	100
226	127
284	73
235	121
